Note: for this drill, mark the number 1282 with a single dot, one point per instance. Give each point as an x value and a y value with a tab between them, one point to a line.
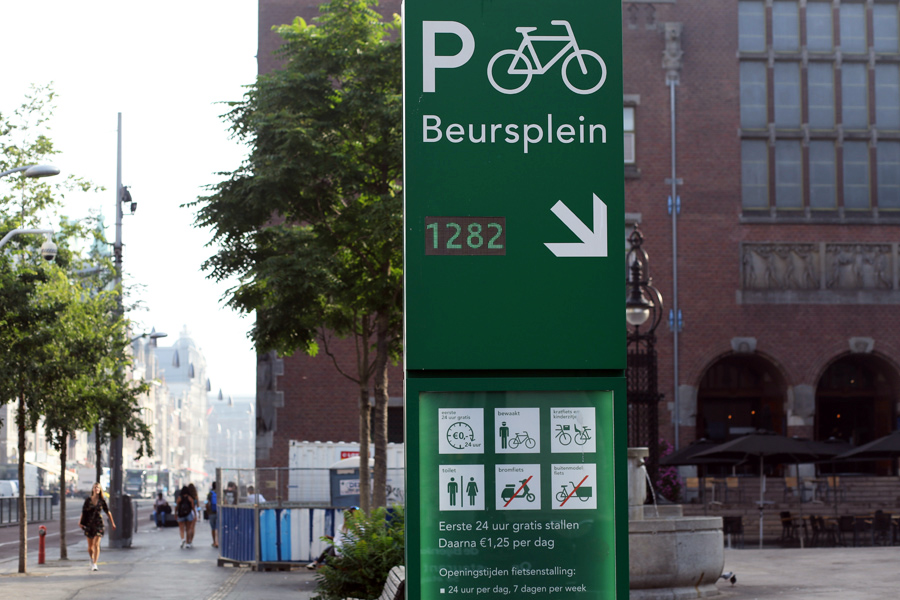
465	236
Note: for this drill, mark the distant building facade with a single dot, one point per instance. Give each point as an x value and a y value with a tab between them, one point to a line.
232	433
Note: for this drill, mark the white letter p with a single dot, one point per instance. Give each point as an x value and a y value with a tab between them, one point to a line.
432	62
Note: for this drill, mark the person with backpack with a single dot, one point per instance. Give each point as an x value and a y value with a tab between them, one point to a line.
212	512
184	511
192	525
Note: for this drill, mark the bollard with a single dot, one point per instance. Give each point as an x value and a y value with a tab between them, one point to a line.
42	532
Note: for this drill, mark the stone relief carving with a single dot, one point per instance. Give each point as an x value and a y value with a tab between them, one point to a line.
673	53
801	266
268	400
862	345
635	13
859	266
770	266
743	345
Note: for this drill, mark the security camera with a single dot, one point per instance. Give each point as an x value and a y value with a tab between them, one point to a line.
48	250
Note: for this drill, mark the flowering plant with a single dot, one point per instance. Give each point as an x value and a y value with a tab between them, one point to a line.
668	484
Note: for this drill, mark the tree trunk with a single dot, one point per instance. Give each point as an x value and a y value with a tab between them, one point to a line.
23	514
380	415
63	553
364	502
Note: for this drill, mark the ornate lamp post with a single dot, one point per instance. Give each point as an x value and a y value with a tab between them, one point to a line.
643	312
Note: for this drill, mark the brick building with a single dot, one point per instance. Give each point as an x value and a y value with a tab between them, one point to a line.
786	265
787	165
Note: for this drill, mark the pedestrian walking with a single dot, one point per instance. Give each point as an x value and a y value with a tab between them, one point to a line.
192	525
92	522
212	509
184	511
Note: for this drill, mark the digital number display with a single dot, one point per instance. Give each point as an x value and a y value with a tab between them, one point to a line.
465	236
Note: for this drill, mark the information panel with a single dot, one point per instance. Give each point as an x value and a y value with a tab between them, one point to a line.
513	185
516	494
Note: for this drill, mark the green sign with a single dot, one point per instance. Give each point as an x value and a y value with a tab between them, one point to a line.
514	210
513	493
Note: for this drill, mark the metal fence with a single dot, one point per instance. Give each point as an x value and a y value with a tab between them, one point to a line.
39	508
281	486
287	523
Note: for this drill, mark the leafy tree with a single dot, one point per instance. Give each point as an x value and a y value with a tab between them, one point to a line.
24	140
84	343
374	546
33	296
311	223
26	368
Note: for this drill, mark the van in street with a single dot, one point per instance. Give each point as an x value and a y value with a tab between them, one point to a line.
9	487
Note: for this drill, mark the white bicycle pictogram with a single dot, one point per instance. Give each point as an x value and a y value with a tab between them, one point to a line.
528	65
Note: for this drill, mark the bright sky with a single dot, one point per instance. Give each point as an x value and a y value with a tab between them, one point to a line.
164	65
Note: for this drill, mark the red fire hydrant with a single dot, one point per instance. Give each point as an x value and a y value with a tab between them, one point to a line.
42	532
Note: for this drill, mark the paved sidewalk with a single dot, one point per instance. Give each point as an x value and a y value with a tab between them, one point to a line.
155	567
821	573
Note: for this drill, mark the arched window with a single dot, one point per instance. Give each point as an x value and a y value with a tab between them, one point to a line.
854	402
740	394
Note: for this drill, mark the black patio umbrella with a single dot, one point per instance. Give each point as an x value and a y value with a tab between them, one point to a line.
688	455
883	448
764	446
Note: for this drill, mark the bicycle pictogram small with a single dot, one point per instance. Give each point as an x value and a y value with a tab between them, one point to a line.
522	438
524	62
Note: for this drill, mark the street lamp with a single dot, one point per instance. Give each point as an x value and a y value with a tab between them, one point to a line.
153	335
48	249
33	171
643	309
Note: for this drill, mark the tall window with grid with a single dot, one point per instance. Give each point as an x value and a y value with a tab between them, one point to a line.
820	107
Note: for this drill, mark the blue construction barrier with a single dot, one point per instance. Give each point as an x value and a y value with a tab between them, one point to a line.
285	534
237	531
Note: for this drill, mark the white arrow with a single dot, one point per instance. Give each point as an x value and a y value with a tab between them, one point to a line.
593	243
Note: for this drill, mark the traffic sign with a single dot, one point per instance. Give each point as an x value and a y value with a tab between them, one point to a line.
513	185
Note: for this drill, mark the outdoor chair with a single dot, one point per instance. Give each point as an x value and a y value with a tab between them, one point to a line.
814	525
692	489
835	492
709	488
863	530
881	529
732	487
847	530
733	530
823	533
788	527
790	489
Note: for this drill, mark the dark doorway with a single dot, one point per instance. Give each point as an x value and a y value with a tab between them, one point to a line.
854	403
740	394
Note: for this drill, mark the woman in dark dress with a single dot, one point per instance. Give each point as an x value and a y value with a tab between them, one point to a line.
92	522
